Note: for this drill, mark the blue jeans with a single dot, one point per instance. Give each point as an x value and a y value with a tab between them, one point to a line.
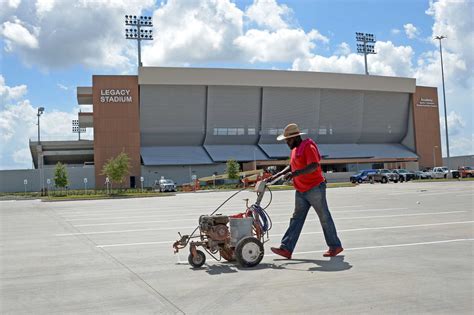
315	197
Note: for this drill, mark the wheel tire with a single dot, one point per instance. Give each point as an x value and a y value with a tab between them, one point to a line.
445	176
402	179
395	181
198	261
249	252
384	180
359	180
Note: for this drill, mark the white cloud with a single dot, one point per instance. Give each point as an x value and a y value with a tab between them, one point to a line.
269	14
213	31
18	36
18	124
390	60
395	31
343	49
58	34
43	7
281	45
455	123
10	93
62	86
411	31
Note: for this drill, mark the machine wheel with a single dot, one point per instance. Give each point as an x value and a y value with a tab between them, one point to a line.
249	251
384	180
395	181
197	261
402	179
359	180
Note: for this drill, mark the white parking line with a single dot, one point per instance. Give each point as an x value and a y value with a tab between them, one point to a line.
194	219
384	246
307	233
350	218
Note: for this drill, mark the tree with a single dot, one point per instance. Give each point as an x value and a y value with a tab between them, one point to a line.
233	169
117	168
60	176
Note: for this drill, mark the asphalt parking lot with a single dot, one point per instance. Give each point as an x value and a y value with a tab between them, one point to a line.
408	249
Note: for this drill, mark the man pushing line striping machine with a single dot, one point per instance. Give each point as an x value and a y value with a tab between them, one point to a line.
245	238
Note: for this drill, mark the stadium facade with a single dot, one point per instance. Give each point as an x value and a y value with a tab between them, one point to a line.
179	122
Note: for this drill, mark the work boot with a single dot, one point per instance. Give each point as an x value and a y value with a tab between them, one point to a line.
331	252
282	252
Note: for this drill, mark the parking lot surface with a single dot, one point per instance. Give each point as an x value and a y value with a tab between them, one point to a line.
408	249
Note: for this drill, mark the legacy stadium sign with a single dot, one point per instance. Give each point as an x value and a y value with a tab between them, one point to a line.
115	96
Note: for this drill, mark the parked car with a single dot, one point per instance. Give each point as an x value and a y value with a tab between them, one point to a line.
384	176
166	185
466	171
362	176
404	175
442	172
422	175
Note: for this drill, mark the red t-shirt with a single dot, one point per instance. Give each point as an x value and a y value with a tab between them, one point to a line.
310	155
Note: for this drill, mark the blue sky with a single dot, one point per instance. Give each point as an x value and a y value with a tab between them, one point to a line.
49	47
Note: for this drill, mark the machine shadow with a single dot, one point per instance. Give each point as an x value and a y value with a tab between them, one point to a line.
332	265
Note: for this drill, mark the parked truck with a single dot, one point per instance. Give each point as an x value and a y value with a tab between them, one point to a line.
466	171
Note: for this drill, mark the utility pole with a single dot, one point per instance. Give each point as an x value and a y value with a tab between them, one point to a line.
365	48
136	32
444	100
40	150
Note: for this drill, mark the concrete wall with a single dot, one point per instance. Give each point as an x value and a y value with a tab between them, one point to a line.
179	174
13	180
458	161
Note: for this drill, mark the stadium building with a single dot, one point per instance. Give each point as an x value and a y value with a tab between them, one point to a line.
179	122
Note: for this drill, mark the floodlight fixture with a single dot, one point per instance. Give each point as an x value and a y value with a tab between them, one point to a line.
137	33
364	48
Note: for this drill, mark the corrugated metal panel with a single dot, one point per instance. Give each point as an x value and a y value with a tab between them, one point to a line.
339	151
172	115
276	151
385	117
174	155
281	106
233	111
340	116
222	153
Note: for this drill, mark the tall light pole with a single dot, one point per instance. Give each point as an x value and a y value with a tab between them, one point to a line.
136	32
365	48
40	150
434	156
444	100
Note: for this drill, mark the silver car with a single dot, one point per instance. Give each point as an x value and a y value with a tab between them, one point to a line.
167	185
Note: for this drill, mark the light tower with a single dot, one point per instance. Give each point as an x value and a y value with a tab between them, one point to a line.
365	48
444	100
136	32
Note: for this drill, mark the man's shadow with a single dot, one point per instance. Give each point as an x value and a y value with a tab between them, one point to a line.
336	263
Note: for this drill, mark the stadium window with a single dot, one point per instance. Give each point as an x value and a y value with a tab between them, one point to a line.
272	131
251	131
222	131
322	131
240	131
231	131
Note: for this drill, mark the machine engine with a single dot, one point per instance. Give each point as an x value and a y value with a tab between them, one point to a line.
215	227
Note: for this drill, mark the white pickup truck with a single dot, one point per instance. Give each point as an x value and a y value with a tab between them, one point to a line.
442	172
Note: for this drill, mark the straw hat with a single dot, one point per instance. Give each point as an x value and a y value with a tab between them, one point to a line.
290	131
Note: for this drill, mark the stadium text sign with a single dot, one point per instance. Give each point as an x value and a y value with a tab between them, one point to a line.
115	96
426	102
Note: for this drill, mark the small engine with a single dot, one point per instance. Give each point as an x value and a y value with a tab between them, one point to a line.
214	227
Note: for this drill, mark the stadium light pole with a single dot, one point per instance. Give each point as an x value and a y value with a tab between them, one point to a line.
136	32
367	46
40	150
444	100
